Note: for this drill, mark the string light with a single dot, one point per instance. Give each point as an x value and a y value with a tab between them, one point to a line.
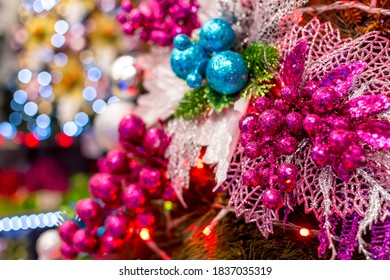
25	104
200	164
34	221
207	230
304	232
168	205
144	234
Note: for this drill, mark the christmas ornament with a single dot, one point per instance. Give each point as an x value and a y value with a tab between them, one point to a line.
156	141
159	21
216	35
67	230
334	168
105	187
117	226
132	129
134	198
84	242
226	72
116	162
131	180
90	212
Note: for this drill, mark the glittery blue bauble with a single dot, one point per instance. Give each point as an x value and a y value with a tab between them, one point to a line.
191	60
182	42
227	72
216	35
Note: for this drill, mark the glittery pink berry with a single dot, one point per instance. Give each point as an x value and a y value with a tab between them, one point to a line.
287	177
294	122
287	145
353	157
252	150
320	154
273	199
289	94
262	103
271	122
325	99
312	124
249	122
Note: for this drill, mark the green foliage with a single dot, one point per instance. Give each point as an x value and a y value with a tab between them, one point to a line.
233	239
219	101
261	59
255	90
198	102
193	105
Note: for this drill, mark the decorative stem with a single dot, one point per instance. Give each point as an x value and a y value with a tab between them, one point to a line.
343	5
153	246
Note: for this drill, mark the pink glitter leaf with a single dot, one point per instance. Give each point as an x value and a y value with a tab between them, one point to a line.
367	105
294	64
342	78
375	133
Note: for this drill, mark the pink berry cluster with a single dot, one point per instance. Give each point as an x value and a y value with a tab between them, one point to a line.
159	21
122	191
269	132
317	110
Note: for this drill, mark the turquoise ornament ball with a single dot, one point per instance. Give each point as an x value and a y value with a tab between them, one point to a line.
188	61
216	35
227	72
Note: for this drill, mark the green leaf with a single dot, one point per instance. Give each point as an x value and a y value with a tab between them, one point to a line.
260	60
255	90
193	105
219	101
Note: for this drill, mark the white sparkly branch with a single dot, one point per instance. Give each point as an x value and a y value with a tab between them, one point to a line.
325	181
364	86
183	153
385	115
343	5
373	210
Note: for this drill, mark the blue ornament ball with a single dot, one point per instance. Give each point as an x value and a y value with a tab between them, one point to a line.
194	80
216	35
187	61
227	72
182	42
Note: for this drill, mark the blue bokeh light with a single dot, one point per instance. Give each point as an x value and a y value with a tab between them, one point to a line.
43	121
30	108
44	78
89	93
94	74
20	96
7	130
81	119
45	91
31	124
25	76
58	40
42	133
113	99
16	106
99	106
16	118
70	129
61	27
60	59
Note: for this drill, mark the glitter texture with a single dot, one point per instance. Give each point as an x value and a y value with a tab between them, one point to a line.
354	70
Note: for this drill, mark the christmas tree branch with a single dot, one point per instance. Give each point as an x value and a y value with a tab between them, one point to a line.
343	5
